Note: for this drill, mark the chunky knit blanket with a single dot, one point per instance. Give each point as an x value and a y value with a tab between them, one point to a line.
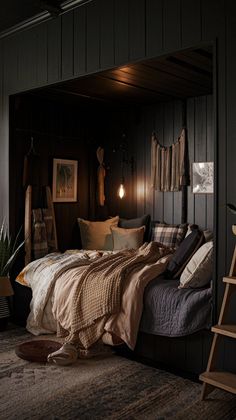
99	291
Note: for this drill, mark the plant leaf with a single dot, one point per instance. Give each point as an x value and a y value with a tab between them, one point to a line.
11	260
232	208
8	250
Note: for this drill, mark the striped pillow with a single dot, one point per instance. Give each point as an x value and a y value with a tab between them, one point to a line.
168	235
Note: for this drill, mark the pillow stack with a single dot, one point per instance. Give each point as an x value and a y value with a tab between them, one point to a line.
114	233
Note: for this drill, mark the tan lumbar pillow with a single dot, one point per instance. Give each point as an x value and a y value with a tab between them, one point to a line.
127	238
198	271
97	235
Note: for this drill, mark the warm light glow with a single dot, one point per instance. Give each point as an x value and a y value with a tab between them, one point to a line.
121	191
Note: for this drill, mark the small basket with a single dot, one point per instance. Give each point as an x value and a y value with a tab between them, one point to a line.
37	350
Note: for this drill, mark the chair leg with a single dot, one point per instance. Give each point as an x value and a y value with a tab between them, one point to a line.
206	390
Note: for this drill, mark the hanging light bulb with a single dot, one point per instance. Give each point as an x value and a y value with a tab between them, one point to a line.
121	190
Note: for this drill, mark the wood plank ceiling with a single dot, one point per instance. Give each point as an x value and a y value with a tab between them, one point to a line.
184	74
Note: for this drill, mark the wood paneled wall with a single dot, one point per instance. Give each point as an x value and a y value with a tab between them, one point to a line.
166	119
59	131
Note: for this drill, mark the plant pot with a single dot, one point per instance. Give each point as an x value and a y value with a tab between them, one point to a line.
5	291
5	286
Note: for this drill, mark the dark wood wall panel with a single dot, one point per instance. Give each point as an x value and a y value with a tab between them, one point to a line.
93	37
154	27
201	149
210	156
107	34
67	45
137	29
10	65
214	28
200	155
32	57
191	22
80	41
231	121
54	50
177	126
149	121
168	197
121	28
190	117
27	72
41	54
171	25
139	139
158	197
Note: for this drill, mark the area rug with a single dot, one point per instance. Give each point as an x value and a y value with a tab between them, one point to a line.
105	387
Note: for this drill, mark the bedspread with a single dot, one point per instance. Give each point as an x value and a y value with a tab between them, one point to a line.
174	312
90	297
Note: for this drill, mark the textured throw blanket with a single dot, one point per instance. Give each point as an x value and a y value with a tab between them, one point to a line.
99	291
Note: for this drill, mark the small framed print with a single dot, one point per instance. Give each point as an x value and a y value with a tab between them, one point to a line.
64	183
203	177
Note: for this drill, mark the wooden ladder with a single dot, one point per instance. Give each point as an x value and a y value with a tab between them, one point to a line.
28	222
213	378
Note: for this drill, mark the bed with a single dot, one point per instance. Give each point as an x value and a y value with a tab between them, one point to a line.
110	295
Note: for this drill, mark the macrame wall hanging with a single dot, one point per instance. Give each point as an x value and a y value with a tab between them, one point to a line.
169	165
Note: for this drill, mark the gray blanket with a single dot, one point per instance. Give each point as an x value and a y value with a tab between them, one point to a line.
174	312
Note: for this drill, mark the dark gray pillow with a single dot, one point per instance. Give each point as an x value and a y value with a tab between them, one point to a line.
144	220
183	253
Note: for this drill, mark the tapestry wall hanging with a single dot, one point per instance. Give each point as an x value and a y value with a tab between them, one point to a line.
169	165
64	185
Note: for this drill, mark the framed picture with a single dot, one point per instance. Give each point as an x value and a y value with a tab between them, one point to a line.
203	177
64	182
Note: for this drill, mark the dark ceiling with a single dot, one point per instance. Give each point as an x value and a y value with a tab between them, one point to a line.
16	11
180	75
177	76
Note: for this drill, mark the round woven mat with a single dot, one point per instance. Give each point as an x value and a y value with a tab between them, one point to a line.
36	350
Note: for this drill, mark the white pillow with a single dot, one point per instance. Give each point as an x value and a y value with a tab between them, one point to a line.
97	235
198	271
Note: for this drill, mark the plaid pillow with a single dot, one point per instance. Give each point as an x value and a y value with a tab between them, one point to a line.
168	235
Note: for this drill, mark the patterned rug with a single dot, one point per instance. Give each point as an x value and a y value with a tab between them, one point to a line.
105	387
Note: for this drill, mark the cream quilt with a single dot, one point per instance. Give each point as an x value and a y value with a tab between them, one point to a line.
88	295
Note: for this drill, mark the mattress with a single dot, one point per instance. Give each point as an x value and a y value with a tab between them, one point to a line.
174	312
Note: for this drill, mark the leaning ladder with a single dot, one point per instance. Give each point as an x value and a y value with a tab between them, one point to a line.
28	223
213	378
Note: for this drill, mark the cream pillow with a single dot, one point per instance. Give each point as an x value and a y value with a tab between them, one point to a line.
127	238
198	271
97	235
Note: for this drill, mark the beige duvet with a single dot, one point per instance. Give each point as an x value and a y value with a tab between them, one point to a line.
95	296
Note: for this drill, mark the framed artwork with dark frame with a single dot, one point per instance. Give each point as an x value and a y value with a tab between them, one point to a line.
64	182
203	177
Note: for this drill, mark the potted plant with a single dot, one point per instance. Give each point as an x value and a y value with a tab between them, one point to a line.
9	250
232	208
